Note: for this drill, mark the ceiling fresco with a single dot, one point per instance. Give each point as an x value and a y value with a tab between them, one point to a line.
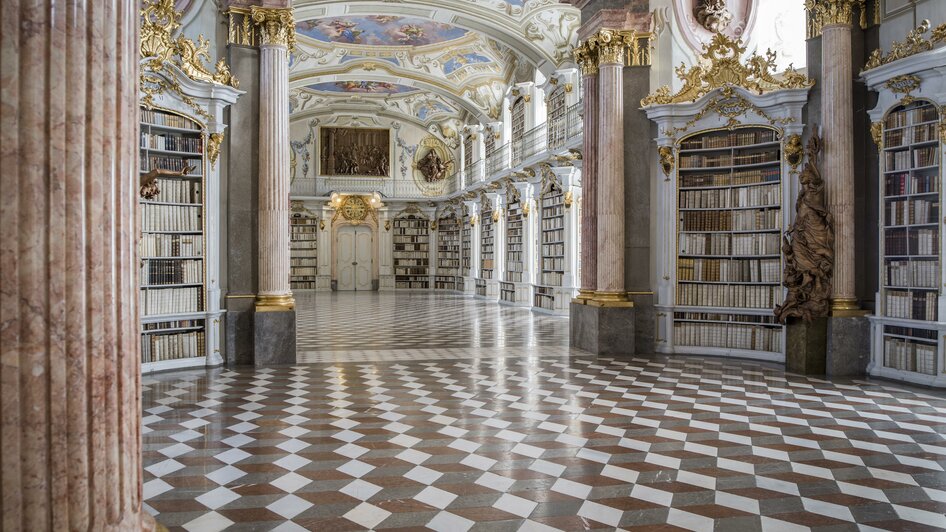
380	30
362	87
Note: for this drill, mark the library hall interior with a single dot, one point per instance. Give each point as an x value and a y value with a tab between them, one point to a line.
472	265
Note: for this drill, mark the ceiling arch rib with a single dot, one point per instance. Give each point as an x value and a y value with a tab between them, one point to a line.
480	107
541	32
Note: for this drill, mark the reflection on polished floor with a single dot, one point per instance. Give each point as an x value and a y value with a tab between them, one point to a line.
358	326
533	442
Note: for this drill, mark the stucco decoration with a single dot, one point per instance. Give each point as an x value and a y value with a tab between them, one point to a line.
698	20
433	165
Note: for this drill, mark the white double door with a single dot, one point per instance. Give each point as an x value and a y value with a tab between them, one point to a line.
353	259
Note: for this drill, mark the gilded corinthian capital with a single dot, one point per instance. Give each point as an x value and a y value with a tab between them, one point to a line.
276	26
823	13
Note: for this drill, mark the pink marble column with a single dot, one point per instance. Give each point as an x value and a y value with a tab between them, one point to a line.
589	177
69	382
610	175
838	133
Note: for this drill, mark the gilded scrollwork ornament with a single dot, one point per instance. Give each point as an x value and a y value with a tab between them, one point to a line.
877	133
915	43
159	44
794	152
808	247
213	147
666	160
721	65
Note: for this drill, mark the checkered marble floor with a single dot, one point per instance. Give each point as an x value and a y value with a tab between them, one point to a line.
540	443
333	325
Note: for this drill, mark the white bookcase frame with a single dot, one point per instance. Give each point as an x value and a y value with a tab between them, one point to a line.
202	102
721	109
917	78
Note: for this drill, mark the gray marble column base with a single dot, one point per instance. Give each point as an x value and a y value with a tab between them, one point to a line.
848	346
806	346
602	330
274	338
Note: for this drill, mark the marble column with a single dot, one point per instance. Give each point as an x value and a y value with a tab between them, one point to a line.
274	323
609	181
589	177
838	132
70	389
276	30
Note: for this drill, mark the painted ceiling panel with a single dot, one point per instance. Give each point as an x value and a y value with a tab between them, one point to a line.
379	30
362	87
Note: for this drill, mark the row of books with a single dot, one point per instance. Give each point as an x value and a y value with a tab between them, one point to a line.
480	287
178	191
553	200
303	244
296	260
728	336
411	261
160	301
910	305
417	249
158	118
411	284
553	264
720	198
553	236
405	269
514	265
158	326
180	271
727	179
916	158
166	218
160	347
906	355
445	284
169	142
514	277
158	245
732	271
910	135
913	242
744	220
723	244
721	295
922	112
915	211
411	231
725	159
170	162
448	263
552	278
552	223
303	285
896	184
728	140
914	274
304	272
543	298
553	250
716	316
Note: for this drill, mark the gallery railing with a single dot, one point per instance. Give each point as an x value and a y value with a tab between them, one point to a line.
549	136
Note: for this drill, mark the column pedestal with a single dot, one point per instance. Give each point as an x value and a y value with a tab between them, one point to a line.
805	349
602	330
848	346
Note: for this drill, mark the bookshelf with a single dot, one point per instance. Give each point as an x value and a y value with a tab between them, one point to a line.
908	329
515	262
466	248
729	226
487	243
172	248
411	238
480	287
448	253
507	292
303	250
552	261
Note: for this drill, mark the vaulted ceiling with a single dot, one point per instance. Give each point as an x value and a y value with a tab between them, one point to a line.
437	63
